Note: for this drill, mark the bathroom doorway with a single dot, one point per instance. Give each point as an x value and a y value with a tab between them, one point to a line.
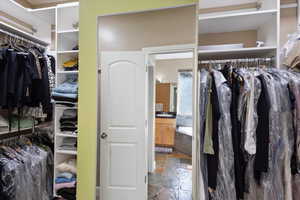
170	129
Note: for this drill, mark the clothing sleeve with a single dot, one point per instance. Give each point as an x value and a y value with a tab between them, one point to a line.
261	163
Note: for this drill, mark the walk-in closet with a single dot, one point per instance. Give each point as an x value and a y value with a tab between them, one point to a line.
164	100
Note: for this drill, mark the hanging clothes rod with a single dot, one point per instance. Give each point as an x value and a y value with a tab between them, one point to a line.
21	35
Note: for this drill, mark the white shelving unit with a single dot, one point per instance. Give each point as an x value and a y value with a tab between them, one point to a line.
264	20
67	38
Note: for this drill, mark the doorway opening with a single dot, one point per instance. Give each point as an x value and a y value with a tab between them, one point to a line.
129	45
170	129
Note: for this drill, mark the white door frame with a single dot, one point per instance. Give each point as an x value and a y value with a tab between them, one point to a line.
176	49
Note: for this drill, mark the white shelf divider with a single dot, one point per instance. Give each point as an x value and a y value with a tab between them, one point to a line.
67	38
69	31
66	135
66	152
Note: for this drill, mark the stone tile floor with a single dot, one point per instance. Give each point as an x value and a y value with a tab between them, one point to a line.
172	179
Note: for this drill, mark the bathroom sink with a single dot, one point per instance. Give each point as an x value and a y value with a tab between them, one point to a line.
165	115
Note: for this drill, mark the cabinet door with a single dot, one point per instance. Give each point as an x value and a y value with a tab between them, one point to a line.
159	132
169	135
163	95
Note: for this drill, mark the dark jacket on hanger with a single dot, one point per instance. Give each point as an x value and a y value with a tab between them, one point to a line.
212	160
239	163
3	77
261	163
22	83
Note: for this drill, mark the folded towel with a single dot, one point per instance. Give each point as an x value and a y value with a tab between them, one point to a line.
64	180
64	185
68	166
68	124
67	87
69	114
68	140
67	148
67	175
68	129
64	99
66	95
68	120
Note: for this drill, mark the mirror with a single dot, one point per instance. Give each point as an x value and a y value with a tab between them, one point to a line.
169	75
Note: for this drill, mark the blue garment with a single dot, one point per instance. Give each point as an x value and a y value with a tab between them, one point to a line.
65	95
64	180
67	87
67	175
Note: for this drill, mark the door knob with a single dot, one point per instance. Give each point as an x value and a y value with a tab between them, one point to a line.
104	135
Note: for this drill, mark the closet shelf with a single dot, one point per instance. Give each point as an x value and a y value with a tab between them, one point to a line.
66	135
237	53
289	5
67	152
68	31
236	22
68	52
241	14
67	72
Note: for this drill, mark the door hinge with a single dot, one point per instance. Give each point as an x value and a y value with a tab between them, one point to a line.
146	179
99	71
146	123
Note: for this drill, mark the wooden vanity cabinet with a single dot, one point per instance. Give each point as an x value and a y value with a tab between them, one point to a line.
165	132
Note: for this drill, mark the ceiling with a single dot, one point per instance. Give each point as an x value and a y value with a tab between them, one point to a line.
34	4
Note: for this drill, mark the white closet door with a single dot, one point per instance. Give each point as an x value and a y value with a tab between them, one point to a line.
123	126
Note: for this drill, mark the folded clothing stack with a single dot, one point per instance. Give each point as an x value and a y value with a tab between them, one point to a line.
68	144
68	121
65	181
71	65
16	122
67	91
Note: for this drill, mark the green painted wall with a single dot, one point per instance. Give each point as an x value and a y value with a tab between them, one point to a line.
87	145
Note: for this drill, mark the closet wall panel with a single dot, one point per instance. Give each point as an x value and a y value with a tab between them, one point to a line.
147	29
166	71
248	38
288	23
288	1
